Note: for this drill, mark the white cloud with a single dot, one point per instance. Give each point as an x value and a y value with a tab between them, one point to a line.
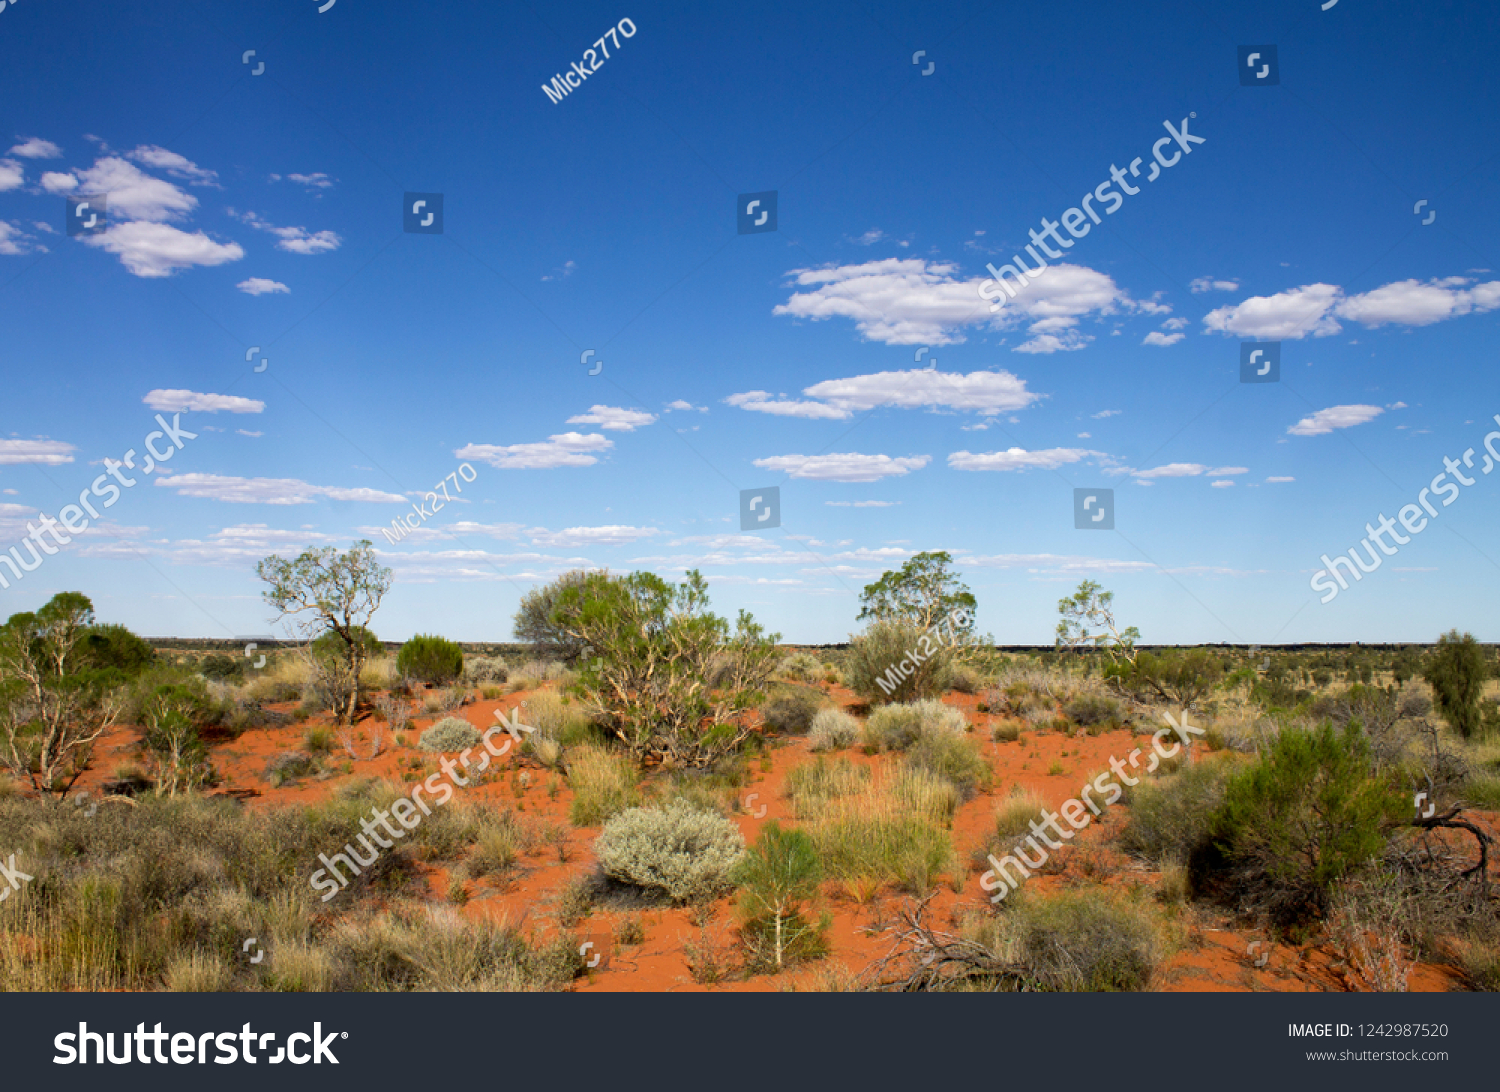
1316	308
563	272
1069	341
680	404
132	194
572	537
874	235
12	175
260	286
613	418
317	181
563	449
184	401
268	490
843	467
297	240
157	250
1107	413
1284	316
1225	471
1222	485
176	165
42	452
1173	470
247	432
1018	459
1156	337
14	241
861	504
1281	479
1412	303
36	148
987	393
1208	284
1326	420
1175	324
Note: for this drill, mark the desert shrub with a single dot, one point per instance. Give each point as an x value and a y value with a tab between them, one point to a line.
603	784
952	757
109	645
791	710
449	734
881	664
1456	671
965	679
1007	732
557	718
668	678
1087	941
221	668
1172	817
1091	709
813	784
686	855
1014	816
1178	677
801	667
897	727
430	659
832	730
779	875
1300	820
538	624
484	669
922	793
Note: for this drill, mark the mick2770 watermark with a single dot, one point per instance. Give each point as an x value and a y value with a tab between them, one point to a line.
565	83
403	524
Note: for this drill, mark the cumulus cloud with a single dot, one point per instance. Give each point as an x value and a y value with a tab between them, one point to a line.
844	467
176	401
1156	337
1107	413
987	393
563	449
1326	420
1316	308
233	490
35	148
42	452
260	286
680	404
1222	485
158	250
614	418
315	181
12	175
1281	479
133	194
1209	284
1018	459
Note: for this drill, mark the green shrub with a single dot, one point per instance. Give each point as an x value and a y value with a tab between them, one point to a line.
801	667
884	844
1302	819
897	727
1172	817
791	710
685	854
1456	671
222	668
832	730
779	875
881	666
1087	941
485	669
953	758
1091	709
1178	677
965	679
449	734
109	645
813	784
431	660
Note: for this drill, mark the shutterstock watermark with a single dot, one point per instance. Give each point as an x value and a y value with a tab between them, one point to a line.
72	518
1076	220
403	524
186	1048
1411	518
410	810
902	670
998	880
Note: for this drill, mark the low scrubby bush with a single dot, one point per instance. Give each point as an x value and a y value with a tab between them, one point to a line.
603	784
832	730
1171	818
897	727
685	854
801	667
449	734
430	659
791	710
1087	941
953	758
882	663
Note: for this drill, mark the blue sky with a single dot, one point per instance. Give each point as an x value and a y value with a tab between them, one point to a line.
264	212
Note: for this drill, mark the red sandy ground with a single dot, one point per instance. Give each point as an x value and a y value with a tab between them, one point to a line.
1213	959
